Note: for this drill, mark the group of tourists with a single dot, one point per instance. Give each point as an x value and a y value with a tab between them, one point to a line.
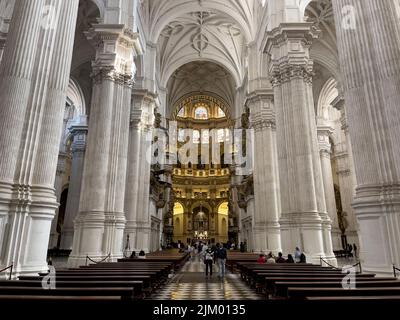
210	254
299	257
142	255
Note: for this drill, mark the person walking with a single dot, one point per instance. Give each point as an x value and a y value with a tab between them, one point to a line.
222	256
208	260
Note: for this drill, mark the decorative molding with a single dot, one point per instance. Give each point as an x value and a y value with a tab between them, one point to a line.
288	46
110	73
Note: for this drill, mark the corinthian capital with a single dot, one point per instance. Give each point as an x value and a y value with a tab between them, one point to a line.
116	47
324	133
289	48
262	113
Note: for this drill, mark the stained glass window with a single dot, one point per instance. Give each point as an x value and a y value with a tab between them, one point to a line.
201	113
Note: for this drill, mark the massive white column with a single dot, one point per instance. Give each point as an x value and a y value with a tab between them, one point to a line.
266	227
372	93
304	220
101	220
79	134
137	197
325	148
34	77
16	76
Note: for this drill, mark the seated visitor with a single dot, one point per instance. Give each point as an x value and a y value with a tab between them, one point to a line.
290	259
261	259
270	258
133	255
303	258
297	254
142	254
280	258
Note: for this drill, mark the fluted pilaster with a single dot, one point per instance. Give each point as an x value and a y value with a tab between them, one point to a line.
266	186
324	133
79	134
138	180
372	89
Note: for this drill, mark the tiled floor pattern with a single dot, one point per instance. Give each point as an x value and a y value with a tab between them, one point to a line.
192	284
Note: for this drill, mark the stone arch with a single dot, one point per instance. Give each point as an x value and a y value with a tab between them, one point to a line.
179	104
327	95
236	74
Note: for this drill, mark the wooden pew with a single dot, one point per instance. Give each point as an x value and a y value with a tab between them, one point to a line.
123	280
303	293
136	286
124	293
281	287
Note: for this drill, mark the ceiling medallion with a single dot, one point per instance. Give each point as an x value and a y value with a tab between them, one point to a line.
200	41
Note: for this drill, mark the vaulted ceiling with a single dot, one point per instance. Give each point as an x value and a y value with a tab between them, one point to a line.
200	30
201	77
201	35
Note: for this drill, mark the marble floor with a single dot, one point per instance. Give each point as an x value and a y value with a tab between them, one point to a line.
191	283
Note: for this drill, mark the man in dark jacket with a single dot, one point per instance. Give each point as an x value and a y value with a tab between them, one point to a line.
221	257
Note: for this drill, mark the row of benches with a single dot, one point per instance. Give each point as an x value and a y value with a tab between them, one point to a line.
126	280
313	282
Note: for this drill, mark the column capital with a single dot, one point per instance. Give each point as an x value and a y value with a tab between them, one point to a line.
143	107
338	102
324	132
261	106
79	131
289	48
114	45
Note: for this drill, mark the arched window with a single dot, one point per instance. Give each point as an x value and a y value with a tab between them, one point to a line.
178	208
201	113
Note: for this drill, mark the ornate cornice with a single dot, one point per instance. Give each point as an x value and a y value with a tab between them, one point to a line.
262	124
110	73
288	72
262	114
288	46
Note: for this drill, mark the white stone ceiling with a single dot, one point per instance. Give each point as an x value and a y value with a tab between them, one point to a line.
201	77
201	35
200	30
324	50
